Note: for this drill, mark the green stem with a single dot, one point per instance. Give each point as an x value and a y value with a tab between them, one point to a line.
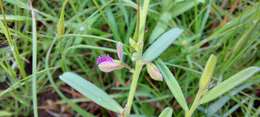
196	103
137	71
34	60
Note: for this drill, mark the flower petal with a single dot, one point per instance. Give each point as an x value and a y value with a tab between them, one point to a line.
109	66
104	58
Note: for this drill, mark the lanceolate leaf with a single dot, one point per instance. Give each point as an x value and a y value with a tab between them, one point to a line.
91	91
230	83
167	112
172	84
161	44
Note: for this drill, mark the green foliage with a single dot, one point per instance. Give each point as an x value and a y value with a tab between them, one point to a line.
91	91
71	34
161	44
172	84
229	83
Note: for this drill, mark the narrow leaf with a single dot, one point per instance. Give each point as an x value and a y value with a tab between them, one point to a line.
91	91
172	84
161	44
208	72
230	83
167	112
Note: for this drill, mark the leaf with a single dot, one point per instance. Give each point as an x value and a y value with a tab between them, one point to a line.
172	84
161	44
230	83
91	91
208	72
167	112
204	82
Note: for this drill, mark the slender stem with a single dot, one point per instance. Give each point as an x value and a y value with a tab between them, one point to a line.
34	66
196	103
137	71
139	36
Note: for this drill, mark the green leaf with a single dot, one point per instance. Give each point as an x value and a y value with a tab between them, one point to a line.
91	91
204	82
230	83
208	72
167	112
172	84
161	44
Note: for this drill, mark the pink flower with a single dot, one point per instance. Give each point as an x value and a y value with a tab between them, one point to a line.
108	64
102	59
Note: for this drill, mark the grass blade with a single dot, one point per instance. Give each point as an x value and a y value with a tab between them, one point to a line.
34	62
91	91
167	112
230	83
172	84
161	44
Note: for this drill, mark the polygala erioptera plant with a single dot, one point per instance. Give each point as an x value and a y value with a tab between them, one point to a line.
129	58
158	71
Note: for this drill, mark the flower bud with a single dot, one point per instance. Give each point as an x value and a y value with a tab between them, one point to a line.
119	48
154	72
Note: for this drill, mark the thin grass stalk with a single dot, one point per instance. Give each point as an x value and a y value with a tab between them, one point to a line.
34	62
